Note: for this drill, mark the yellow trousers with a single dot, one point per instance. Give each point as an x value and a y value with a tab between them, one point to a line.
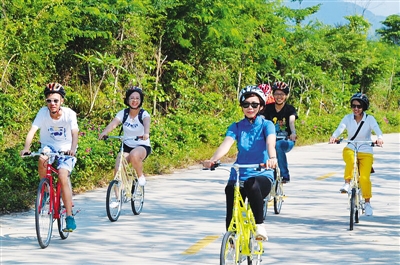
365	161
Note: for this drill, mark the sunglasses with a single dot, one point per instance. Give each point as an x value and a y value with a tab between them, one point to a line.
55	101
354	106
248	104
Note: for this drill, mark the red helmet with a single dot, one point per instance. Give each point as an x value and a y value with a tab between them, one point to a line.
266	88
282	86
54	88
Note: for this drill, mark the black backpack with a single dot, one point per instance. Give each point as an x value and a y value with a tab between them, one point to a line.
126	114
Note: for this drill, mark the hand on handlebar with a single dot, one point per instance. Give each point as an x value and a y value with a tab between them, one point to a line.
70	153
208	164
271	163
25	152
102	136
379	142
333	140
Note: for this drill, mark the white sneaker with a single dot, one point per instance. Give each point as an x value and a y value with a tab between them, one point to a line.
345	188
114	205
368	209
261	233
142	180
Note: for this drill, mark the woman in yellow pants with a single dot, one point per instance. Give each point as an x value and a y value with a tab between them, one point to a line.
359	104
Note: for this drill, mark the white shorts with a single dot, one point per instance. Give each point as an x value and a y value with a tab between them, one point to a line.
66	162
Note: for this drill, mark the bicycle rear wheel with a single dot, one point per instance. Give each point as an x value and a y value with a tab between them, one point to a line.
61	223
137	198
114	200
352	207
43	213
278	199
265	207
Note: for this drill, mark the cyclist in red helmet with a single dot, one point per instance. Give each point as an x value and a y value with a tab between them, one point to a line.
267	89
359	103
283	116
58	127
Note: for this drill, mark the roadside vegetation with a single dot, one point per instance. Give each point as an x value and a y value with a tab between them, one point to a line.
191	59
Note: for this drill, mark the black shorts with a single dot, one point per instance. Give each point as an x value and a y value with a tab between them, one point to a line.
128	149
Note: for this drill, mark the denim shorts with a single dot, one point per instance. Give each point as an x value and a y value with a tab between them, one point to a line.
66	162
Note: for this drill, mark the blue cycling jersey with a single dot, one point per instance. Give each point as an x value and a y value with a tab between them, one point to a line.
251	143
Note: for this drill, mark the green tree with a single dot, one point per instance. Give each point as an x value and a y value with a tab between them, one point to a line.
390	33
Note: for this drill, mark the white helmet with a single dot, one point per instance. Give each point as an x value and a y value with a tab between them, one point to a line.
252	89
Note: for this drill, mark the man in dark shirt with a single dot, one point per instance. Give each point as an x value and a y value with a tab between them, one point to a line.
283	116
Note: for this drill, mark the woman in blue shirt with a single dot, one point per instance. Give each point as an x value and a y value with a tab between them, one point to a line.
255	139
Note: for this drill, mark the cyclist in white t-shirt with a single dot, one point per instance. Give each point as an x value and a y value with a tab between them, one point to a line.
59	131
137	123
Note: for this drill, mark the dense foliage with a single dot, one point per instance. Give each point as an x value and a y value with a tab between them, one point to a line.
191	58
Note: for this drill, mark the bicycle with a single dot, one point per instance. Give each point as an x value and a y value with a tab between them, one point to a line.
276	194
124	187
49	205
356	200
239	242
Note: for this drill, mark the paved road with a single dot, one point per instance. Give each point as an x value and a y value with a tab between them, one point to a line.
183	219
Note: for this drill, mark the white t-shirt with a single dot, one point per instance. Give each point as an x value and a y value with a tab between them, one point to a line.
133	128
56	133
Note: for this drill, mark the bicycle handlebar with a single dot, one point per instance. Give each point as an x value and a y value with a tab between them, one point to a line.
258	167
50	154
122	138
371	143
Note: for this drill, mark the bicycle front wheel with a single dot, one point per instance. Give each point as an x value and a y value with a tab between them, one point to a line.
43	213
114	200
230	251
278	199
352	207
358	207
137	198
61	222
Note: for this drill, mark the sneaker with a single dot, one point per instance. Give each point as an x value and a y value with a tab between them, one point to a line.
368	209
142	180
285	180
345	188
71	225
114	205
261	233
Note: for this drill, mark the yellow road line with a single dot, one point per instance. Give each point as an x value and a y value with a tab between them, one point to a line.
326	176
200	244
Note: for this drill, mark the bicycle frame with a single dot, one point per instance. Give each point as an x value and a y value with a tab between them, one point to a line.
276	194
55	194
124	187
355	199
125	173
243	224
49	185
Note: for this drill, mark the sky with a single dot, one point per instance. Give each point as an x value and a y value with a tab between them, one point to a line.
379	7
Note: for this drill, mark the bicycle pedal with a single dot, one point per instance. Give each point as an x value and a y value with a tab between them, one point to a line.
77	211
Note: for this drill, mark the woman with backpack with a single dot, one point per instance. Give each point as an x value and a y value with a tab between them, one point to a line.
135	123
